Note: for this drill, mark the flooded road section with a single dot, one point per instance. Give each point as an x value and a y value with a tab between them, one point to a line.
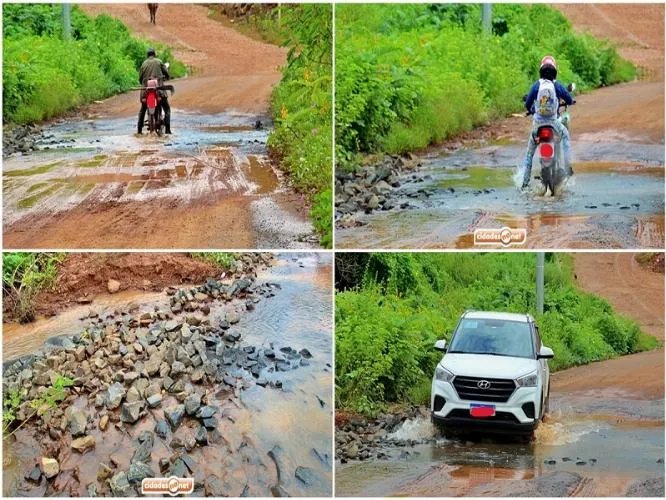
614	200
228	383
603	446
92	183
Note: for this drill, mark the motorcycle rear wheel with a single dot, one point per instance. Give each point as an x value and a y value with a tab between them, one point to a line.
151	123
159	122
547	180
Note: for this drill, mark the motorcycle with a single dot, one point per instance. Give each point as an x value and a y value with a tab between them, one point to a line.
151	98
551	158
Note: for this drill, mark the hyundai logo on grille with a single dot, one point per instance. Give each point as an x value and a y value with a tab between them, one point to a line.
483	384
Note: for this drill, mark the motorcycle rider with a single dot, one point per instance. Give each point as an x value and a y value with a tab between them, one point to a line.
154	69
543	102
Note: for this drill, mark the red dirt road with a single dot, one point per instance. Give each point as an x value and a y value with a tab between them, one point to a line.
232	71
637	293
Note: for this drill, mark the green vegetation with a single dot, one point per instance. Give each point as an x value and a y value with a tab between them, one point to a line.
414	74
392	307
31	171
31	201
302	109
46	400
222	259
11	403
44	75
24	274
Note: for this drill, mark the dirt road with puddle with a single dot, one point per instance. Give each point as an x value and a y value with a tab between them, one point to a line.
604	435
615	199
272	426
93	183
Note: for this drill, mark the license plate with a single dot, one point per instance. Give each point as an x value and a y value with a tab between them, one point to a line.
481	411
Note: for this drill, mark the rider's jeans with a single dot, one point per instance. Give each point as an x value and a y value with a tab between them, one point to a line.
531	146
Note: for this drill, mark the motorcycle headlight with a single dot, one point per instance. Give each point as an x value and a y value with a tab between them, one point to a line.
443	374
529	380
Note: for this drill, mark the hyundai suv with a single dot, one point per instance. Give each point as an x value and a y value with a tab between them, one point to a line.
493	376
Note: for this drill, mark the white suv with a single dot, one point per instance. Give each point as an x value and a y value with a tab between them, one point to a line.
493	376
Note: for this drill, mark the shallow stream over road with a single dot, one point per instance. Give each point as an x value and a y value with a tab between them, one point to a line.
589	446
614	200
94	183
291	416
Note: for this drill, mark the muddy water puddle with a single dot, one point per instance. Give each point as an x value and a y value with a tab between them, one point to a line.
292	419
101	160
589	453
614	203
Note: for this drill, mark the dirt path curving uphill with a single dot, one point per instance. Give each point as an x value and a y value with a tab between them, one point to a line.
638	294
232	71
94	184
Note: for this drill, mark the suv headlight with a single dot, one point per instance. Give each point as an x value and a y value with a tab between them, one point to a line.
443	374
529	380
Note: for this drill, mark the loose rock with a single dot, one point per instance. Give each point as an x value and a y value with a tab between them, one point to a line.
50	467
174	415
83	444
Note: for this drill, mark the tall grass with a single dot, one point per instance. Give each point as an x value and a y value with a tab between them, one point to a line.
302	109
302	101
24	275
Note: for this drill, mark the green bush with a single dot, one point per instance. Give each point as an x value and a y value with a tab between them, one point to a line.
44	75
24	274
222	259
390	314
302	109
413	74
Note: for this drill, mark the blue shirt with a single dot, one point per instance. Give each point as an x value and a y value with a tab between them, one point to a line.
562	93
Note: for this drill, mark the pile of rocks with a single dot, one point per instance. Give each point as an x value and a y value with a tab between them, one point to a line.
125	362
370	188
250	263
20	139
362	439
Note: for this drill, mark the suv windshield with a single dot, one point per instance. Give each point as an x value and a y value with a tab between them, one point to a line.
493	336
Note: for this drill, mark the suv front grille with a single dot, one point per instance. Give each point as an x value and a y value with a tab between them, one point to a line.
500	390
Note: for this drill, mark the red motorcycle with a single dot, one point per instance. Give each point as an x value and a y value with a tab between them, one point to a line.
152	99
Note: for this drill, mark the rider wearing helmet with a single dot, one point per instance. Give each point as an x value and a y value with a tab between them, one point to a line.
543	102
154	69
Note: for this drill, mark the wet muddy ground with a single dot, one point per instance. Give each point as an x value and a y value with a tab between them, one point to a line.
614	203
588	447
92	183
271	430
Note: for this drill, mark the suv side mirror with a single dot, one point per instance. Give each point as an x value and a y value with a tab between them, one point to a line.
546	353
440	345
